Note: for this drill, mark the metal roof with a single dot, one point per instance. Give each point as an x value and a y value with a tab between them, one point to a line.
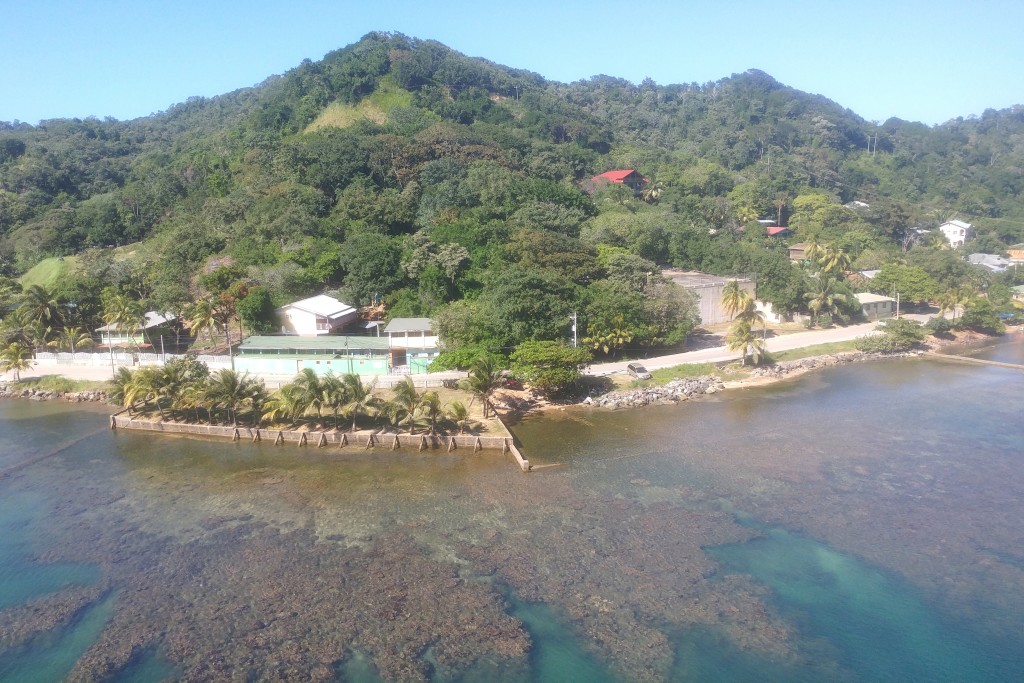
323	305
408	325
868	298
153	319
294	344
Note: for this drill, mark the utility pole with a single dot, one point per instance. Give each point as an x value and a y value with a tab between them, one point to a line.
574	329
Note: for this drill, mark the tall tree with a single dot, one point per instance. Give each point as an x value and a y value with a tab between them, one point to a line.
483	380
16	357
361	398
734	297
744	339
407	400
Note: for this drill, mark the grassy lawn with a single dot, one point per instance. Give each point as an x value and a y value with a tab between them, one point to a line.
666	375
373	108
48	272
816	350
61	384
663	376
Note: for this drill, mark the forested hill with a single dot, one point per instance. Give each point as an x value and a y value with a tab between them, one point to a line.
398	167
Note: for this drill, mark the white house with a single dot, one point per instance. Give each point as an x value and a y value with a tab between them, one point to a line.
876	306
413	343
154	325
994	262
316	315
956	232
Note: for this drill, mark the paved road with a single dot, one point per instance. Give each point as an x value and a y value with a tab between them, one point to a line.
712	355
720	354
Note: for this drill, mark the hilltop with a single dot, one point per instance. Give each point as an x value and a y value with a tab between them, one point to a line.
399	169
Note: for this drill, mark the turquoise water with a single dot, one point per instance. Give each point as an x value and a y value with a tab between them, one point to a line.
881	627
862	524
21	579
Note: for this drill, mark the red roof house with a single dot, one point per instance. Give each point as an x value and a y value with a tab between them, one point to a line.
628	177
779	231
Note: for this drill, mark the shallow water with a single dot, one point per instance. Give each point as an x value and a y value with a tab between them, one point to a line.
861	524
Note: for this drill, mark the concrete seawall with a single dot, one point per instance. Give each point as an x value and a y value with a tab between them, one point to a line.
364	439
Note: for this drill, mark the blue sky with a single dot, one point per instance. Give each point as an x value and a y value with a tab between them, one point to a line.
921	61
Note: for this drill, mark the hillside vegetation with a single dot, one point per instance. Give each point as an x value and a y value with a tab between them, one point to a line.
399	170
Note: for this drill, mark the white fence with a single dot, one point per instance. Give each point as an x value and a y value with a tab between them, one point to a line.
121	359
136	360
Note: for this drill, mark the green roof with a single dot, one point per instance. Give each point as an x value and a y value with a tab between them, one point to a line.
340	344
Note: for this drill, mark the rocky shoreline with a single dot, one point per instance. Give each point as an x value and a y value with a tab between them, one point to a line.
679	390
13	391
673	392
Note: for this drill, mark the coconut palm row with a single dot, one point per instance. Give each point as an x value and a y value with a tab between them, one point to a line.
742	336
185	389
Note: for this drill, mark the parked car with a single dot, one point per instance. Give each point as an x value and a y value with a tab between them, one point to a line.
512	383
638	371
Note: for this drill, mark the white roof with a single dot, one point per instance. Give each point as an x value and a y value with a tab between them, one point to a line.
956	224
153	319
322	305
408	325
869	298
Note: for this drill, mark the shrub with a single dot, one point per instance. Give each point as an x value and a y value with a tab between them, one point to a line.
939	326
981	316
462	358
896	336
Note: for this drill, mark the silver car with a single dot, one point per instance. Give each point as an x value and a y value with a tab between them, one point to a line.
638	371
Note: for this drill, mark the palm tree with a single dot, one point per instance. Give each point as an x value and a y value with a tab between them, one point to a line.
143	387
734	297
833	259
743	338
37	334
71	339
193	397
232	392
42	305
408	399
360	396
15	358
652	192
257	398
457	412
312	391
335	394
119	387
287	402
751	315
483	380
824	297
121	312
431	410
609	339
954	298
202	317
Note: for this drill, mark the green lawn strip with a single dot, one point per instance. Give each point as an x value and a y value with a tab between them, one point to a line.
816	350
62	384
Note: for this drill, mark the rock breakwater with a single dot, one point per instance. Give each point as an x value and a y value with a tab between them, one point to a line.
14	391
673	392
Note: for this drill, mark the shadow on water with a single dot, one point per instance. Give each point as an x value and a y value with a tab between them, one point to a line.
879	625
704	654
51	655
21	578
149	666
